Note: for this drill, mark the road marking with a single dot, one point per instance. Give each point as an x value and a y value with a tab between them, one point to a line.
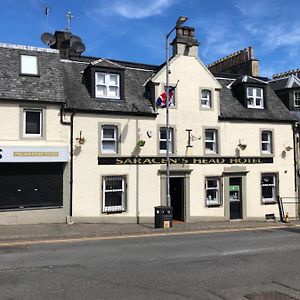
138	235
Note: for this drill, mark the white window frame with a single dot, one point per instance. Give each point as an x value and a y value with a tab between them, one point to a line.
217	201
268	142
205	99
255	98
32	135
171	139
107	84
28	64
297	99
273	185
114	208
213	141
113	140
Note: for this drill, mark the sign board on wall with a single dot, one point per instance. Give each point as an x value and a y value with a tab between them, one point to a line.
33	154
183	160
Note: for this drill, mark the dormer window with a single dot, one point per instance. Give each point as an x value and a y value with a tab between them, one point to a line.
206	98
255	98
107	85
297	99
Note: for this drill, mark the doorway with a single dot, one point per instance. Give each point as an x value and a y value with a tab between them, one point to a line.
235	197
177	198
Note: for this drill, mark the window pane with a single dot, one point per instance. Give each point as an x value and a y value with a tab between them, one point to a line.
100	78
265	147
114	79
113	184
250	92
267	192
268	179
113	198
205	94
29	64
163	145
212	183
101	90
258	102
163	134
209	146
211	196
33	121
265	136
209	135
113	91
258	92
109	146
109	133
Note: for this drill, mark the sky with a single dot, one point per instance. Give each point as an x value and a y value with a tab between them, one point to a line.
135	30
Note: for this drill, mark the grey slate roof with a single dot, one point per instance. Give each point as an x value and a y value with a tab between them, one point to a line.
285	83
136	99
232	109
46	87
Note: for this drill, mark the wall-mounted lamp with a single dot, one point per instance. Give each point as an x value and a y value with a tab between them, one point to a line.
80	139
242	146
288	148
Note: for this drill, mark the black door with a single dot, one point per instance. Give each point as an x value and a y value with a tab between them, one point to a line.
235	197
177	197
25	185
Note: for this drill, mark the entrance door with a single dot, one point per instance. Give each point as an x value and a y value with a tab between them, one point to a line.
177	197
235	197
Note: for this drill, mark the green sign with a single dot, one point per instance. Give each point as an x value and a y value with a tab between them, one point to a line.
234	188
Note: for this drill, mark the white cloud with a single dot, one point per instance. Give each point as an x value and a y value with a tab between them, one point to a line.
141	9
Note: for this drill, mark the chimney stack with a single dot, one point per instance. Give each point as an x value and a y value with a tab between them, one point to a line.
185	43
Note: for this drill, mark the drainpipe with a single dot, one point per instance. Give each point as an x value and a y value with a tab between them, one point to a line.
295	146
71	124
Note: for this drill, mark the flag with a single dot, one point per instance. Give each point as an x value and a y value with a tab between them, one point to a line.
162	99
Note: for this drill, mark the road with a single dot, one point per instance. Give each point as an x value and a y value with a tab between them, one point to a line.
229	265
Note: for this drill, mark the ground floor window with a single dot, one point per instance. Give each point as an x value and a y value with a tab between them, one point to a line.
268	188
114	194
212	191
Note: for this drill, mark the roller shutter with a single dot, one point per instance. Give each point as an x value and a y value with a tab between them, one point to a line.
29	185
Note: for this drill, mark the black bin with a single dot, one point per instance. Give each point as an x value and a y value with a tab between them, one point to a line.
163	216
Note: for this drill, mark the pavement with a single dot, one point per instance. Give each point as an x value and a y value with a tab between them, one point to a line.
14	234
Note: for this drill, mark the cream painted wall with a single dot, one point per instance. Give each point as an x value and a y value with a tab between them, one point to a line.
144	183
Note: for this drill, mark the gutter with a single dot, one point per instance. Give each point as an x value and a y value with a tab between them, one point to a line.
71	124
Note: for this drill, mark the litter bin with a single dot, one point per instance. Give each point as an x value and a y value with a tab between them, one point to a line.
163	216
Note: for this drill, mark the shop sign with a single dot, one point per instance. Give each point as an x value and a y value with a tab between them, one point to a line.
183	160
234	188
33	154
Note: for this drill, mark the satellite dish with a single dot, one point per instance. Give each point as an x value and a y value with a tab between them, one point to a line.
78	47
67	35
48	38
75	38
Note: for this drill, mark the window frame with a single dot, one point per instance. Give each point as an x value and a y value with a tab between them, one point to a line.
268	142
295	100
274	186
116	139
255	97
22	71
107	85
114	208
171	140
209	106
218	193
215	141
41	127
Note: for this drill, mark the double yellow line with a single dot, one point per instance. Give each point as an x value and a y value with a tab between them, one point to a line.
137	235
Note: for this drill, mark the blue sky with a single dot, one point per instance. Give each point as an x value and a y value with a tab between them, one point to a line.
134	30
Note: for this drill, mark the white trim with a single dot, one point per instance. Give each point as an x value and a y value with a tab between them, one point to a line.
107	84
28	48
113	140
210	202
214	141
32	135
255	98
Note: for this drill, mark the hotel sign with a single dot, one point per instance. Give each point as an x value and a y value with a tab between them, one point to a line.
183	160
33	154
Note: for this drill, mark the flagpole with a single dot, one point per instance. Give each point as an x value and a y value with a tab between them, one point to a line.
179	22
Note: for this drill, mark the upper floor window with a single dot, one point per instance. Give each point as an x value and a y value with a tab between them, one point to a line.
296	98
268	188
107	85
109	139
211	141
32	123
206	98
29	65
266	142
255	98
114	194
212	191
163	140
